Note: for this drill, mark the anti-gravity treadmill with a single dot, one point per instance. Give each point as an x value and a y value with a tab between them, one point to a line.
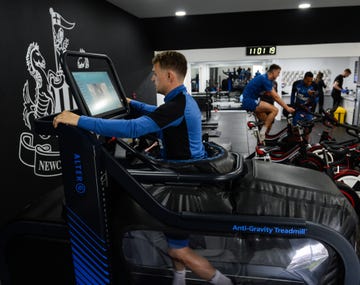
257	222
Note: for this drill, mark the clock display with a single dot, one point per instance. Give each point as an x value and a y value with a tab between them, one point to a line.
261	50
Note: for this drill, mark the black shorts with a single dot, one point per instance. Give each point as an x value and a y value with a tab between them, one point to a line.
268	99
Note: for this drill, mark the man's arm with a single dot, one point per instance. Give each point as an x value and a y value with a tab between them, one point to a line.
142	108
112	128
336	85
280	101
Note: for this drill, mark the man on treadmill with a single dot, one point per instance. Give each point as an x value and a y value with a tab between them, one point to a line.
178	122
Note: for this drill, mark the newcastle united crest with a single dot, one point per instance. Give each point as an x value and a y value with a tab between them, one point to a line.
48	94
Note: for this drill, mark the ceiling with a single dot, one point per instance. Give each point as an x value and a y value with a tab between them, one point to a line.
167	8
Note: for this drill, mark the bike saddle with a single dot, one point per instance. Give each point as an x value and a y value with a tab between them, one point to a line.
263	150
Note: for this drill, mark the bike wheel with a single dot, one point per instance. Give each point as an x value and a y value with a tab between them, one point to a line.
311	161
351	195
318	150
350	177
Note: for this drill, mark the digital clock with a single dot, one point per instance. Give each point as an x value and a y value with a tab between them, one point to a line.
261	50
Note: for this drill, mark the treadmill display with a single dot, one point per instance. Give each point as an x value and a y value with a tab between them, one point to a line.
98	92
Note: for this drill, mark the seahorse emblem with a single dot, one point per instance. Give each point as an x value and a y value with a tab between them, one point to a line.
42	102
48	93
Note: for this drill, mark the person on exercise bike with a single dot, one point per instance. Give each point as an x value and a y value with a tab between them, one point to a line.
303	97
263	110
178	121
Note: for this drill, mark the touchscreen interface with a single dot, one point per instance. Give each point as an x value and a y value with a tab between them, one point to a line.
98	92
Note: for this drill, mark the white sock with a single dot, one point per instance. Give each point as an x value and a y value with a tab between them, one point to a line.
179	277
220	279
262	135
263	131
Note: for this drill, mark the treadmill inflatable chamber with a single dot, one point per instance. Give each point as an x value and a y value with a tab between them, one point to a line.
256	254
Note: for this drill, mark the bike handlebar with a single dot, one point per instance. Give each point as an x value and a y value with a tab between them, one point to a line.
335	148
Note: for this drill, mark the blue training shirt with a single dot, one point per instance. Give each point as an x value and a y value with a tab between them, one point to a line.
300	97
253	90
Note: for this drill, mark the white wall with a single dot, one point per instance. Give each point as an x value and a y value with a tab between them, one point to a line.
335	65
283	52
335	57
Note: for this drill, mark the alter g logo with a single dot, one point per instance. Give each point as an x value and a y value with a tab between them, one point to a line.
80	187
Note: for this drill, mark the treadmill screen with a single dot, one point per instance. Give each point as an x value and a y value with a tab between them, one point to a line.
98	92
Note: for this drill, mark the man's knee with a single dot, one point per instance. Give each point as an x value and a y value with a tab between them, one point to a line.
275	111
261	116
266	108
179	254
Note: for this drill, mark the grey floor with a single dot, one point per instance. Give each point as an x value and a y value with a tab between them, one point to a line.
234	131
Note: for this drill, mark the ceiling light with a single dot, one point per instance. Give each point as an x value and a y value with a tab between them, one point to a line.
180	13
304	6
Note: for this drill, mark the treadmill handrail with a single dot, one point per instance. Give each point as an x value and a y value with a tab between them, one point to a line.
156	170
169	175
152	164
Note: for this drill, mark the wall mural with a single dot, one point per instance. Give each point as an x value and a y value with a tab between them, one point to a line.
49	94
289	77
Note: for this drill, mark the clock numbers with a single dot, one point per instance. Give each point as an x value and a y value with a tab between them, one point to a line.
261	50
272	50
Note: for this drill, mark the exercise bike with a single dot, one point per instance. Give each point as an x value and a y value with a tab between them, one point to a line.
341	159
347	179
345	153
290	149
295	150
271	139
